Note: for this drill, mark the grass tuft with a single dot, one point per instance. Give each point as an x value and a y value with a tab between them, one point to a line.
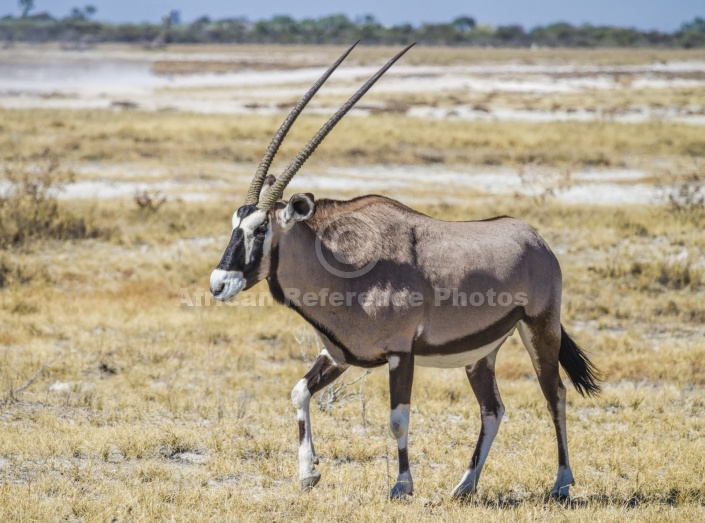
29	209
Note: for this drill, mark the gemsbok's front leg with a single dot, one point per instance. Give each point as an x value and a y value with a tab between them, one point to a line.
401	377
323	372
484	385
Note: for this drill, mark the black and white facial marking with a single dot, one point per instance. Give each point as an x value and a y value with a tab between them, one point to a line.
246	258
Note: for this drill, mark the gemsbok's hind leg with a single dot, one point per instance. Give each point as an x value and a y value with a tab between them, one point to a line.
543	341
323	372
484	385
401	377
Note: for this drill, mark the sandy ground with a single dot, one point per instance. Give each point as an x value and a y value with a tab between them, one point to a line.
144	408
123	78
105	78
410	183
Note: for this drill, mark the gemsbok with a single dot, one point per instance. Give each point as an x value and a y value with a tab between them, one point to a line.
383	284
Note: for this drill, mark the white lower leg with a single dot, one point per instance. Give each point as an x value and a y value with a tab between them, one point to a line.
490	427
399	423
301	398
564	478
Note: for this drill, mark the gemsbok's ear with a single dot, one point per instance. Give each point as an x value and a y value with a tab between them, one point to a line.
268	182
299	208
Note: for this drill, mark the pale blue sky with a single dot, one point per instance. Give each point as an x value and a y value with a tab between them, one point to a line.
644	14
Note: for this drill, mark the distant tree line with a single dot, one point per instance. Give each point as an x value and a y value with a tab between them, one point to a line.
80	26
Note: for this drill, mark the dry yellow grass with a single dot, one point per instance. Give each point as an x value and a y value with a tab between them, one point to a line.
151	411
107	136
118	402
606	103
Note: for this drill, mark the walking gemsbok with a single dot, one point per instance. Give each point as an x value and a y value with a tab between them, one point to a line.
383	284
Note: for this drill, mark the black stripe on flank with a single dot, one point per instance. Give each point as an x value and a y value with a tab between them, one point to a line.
494	332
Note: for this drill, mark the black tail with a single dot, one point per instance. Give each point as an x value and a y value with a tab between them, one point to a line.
580	370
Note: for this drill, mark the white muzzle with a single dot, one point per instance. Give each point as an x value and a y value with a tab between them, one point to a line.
226	284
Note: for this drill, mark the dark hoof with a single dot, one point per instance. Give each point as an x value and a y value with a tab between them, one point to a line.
467	487
401	490
464	492
399	494
311	481
559	497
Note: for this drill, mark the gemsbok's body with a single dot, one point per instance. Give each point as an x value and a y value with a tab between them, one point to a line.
383	284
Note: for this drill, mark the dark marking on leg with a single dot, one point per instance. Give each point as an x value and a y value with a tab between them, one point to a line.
484	384
401	377
323	372
302	431
542	338
403	460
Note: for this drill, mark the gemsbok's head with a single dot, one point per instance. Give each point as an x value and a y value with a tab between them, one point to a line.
257	225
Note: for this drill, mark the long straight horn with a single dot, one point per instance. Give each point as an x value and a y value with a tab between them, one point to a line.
277	189
266	161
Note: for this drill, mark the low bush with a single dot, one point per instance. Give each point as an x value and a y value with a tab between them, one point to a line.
29	208
686	196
